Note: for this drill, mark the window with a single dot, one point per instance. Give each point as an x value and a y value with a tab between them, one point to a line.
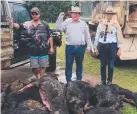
3	11
133	13
21	13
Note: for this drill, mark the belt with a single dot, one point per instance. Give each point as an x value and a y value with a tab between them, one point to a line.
107	43
77	45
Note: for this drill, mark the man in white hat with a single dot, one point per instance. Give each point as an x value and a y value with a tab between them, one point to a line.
77	35
107	44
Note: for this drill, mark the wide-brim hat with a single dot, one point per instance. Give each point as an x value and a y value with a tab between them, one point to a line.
75	10
110	10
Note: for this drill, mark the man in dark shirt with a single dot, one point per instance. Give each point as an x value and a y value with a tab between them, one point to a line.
40	38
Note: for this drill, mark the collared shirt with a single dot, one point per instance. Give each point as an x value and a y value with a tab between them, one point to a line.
111	36
76	33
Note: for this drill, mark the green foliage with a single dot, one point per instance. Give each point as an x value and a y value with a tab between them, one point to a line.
50	9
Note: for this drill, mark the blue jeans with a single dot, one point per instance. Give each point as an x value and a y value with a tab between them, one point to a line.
107	54
77	53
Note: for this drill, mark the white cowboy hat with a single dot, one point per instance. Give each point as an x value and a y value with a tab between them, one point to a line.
110	10
75	10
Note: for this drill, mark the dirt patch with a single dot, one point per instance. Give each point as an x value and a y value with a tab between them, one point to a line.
91	80
19	73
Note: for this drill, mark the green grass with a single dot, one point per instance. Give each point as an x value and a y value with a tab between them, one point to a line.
52	25
125	76
128	109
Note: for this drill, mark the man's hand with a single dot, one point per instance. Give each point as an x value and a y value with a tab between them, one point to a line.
51	50
15	25
62	14
87	50
119	52
96	51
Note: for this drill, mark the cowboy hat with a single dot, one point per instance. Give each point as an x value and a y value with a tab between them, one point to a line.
110	10
75	10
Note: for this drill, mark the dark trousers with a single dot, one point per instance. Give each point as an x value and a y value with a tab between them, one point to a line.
77	53
107	54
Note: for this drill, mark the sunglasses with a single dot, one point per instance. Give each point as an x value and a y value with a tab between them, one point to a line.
34	13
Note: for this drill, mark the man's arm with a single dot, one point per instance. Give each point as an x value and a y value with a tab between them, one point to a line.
16	25
50	40
96	40
88	38
119	47
97	37
19	26
51	45
59	23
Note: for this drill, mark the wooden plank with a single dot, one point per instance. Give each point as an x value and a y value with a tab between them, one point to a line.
5	36
20	63
6	58
5	29
132	2
130	30
5	44
8	38
7	51
5	23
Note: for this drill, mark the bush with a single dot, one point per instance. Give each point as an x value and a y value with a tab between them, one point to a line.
50	9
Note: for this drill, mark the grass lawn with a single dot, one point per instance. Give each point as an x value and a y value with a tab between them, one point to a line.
125	76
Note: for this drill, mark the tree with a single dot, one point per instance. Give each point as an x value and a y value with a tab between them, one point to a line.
50	9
